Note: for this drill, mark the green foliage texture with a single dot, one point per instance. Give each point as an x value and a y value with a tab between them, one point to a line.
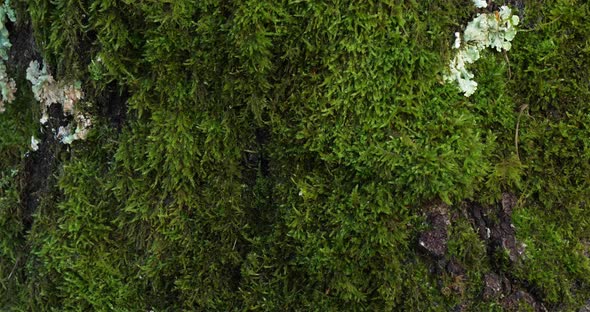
276	155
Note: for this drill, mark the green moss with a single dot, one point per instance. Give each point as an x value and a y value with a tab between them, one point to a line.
16	128
555	261
279	156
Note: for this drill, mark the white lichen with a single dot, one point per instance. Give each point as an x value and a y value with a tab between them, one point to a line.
457	43
34	143
7	87
480	3
7	84
487	30
48	91
83	124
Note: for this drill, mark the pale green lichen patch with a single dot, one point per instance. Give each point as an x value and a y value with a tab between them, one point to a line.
7	84
480	3
48	91
485	31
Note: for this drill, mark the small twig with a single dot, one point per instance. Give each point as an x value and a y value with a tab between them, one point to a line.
522	108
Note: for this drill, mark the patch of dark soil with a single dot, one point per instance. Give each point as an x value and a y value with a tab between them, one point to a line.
492	287
521	300
434	241
496	286
24	48
38	166
112	103
494	225
36	179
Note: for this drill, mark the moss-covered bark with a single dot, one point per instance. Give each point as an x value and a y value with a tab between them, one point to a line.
297	156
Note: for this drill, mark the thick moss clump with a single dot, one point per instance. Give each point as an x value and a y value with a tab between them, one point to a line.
298	155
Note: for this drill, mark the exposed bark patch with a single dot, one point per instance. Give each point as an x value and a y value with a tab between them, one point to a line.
434	241
40	165
496	286
585	308
24	48
495	228
493	286
520	300
494	225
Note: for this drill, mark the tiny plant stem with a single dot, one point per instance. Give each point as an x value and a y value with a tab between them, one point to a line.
508	61
13	269
522	108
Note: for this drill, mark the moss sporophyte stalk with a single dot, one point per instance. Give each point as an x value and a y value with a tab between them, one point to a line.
487	30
